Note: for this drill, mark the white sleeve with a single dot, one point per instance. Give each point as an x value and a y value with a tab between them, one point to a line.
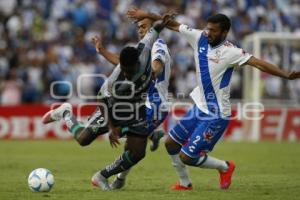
238	56
106	88
190	34
159	51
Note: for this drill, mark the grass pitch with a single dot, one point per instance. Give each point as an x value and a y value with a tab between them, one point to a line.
263	171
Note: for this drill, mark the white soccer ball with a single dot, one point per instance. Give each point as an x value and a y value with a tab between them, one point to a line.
40	180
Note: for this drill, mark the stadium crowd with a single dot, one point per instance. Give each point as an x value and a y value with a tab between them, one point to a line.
50	40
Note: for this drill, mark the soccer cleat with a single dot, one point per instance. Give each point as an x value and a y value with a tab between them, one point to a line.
117	184
100	181
177	186
157	135
57	113
225	177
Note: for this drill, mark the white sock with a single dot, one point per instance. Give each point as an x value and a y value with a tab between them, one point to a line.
181	170
122	175
214	163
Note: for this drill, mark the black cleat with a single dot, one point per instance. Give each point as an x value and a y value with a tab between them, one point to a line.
117	184
157	135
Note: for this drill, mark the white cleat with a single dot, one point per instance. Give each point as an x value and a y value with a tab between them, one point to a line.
100	181
57	113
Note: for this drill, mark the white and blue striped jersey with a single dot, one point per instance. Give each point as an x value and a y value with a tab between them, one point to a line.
214	67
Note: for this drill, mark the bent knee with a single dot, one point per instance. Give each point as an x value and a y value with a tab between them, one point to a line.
186	159
83	142
138	156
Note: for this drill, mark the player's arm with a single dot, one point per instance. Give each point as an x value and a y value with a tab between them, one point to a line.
114	131
110	57
158	56
272	69
114	134
190	34
151	36
138	14
157	67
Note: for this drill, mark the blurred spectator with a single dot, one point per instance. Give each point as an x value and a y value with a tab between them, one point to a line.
11	88
46	41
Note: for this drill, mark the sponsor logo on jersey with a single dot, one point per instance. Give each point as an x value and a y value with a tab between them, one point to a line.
201	49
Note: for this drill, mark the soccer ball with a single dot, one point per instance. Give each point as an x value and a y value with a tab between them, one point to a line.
40	180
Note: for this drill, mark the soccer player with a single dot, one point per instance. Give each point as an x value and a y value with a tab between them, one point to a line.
200	129
118	95
157	99
135	68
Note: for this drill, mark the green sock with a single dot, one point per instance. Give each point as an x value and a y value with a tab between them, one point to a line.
73	125
123	163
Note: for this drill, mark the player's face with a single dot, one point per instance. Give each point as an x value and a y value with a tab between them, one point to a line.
143	26
215	33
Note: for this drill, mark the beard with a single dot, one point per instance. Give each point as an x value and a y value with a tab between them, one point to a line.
216	42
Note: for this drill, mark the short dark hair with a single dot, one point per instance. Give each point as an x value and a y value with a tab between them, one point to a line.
129	56
222	19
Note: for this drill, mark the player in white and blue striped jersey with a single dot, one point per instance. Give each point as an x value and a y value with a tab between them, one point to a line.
200	129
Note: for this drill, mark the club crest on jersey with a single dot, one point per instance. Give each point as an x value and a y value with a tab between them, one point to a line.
143	77
208	136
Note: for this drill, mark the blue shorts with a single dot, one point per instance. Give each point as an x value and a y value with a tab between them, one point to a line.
155	115
198	132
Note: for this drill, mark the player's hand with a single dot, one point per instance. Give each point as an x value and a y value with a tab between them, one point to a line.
114	136
97	42
168	17
136	14
293	75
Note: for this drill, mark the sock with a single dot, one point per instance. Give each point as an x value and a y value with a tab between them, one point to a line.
181	170
123	174
121	164
212	163
73	125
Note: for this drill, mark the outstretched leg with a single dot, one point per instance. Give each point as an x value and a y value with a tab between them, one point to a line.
83	134
119	181
173	150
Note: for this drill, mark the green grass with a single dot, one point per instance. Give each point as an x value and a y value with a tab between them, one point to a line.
264	171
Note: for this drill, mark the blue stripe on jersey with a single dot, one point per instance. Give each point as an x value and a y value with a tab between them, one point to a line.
226	78
209	92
